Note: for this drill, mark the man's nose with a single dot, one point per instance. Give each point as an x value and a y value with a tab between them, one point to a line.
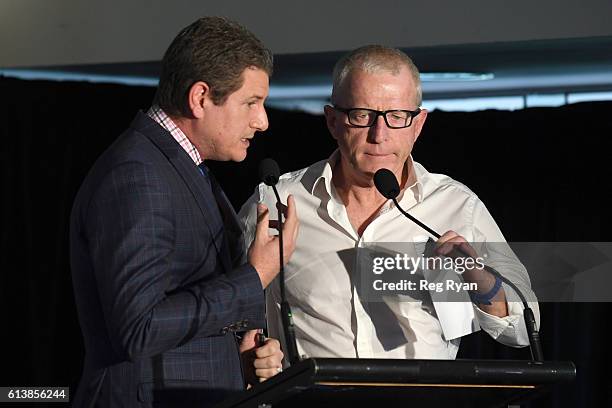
378	131
261	121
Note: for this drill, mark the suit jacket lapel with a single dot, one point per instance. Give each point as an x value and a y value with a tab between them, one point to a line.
233	230
185	167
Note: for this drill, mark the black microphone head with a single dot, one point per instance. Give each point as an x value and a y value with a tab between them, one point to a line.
269	172
386	183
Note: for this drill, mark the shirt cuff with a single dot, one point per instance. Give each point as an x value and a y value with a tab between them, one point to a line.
509	330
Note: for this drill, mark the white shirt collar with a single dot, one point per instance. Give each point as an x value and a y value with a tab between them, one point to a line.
418	188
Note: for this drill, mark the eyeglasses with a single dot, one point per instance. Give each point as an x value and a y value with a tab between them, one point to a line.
395	118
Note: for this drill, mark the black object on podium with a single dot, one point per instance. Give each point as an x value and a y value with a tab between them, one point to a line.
340	382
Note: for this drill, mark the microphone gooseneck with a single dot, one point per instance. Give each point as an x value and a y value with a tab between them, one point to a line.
387	185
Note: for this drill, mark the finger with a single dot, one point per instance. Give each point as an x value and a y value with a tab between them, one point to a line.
467	249
272	361
262	220
460	243
269	362
445	248
266	373
282	207
457	247
291	210
291	222
270	348
450	234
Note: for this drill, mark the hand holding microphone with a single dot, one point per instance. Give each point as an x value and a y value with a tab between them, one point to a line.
261	357
266	250
454	245
269	174
264	253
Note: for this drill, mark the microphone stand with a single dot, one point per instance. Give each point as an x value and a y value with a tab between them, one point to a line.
286	315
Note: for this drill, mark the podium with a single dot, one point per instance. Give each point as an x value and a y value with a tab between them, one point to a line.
378	383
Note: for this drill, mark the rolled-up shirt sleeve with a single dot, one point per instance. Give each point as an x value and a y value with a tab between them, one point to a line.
509	330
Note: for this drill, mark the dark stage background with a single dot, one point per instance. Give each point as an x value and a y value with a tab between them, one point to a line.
542	172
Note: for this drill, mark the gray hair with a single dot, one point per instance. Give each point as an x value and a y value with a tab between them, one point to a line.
373	59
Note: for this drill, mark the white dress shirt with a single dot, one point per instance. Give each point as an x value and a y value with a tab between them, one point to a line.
330	318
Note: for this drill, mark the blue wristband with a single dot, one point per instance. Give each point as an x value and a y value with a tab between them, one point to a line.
485	299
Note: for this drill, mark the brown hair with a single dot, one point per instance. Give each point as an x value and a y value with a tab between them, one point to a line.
214	50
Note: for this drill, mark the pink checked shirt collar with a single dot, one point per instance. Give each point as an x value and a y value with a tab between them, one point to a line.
158	115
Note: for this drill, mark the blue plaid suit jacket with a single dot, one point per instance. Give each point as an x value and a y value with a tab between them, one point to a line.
159	279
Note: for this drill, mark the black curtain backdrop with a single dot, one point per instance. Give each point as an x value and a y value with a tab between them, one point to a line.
542	172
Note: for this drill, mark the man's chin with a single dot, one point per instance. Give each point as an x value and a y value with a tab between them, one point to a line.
234	156
239	156
372	166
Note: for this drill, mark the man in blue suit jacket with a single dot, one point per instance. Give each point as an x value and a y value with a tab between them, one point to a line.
161	280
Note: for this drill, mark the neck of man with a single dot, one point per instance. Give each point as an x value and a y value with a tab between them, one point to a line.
358	189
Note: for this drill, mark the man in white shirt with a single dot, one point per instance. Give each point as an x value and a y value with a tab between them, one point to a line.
376	119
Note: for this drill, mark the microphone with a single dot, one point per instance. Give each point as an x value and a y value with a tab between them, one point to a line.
387	185
269	174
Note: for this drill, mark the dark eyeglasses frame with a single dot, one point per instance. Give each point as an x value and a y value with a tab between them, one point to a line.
378	113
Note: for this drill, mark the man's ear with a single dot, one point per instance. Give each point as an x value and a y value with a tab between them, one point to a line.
418	122
199	98
330	119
